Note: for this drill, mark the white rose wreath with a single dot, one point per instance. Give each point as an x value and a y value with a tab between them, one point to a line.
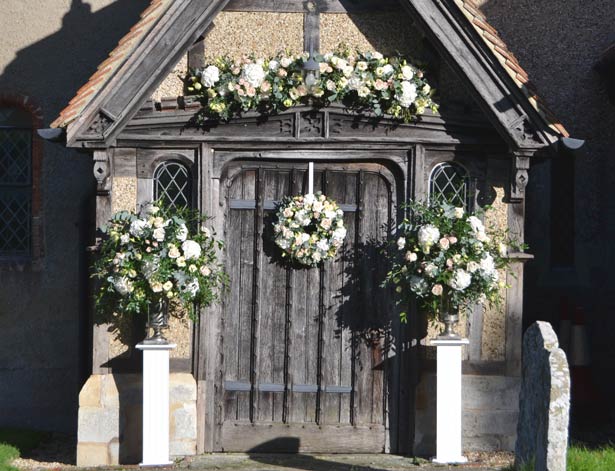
309	229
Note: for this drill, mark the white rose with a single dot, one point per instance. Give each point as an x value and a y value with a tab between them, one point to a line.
159	234
477	225
461	280
205	271
138	227
174	252
428	236
181	261
431	270
167	286
274	65
459	213
411	256
339	233
325	224
156	286
362	66
407	95
426	89
158	222
253	74
323	245
124	239
182	232
437	290
288	212
191	249
387	70
285	61
401	243
210	76
407	72
473	266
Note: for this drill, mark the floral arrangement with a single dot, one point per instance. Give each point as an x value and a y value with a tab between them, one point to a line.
157	255
366	81
445	257
309	229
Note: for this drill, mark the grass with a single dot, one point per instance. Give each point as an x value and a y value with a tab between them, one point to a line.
14	443
584	459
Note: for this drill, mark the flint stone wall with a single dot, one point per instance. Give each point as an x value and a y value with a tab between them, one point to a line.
542	431
111	414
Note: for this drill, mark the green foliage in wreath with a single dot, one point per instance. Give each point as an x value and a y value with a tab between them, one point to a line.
363	81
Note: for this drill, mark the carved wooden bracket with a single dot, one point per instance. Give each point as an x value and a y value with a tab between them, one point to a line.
519	177
102	173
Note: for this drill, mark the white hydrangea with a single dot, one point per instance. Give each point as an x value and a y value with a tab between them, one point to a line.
339	234
461	280
210	76
191	249
428	236
323	245
253	74
139	227
407	95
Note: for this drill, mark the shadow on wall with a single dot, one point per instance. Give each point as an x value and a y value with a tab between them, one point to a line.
39	386
52	69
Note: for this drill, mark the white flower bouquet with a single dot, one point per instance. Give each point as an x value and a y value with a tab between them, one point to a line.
157	255
366	81
445	257
309	228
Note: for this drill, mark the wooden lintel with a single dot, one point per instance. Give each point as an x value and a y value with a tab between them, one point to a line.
324	6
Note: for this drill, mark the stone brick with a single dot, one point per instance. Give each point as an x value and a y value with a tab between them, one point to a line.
182	387
178	448
110	395
89	396
92	454
98	425
184	421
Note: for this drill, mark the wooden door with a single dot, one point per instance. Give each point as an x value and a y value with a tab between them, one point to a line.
302	351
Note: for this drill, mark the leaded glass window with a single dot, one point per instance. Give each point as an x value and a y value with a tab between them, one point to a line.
172	184
450	183
15	182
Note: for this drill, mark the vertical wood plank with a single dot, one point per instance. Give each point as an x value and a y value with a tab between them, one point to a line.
514	295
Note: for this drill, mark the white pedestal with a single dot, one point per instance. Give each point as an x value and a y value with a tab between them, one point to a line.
448	442
155	404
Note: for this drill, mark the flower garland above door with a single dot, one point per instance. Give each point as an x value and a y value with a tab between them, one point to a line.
363	81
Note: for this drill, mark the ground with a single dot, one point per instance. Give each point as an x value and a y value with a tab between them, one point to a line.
58	452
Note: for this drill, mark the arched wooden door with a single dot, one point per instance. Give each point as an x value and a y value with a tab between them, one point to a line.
303	365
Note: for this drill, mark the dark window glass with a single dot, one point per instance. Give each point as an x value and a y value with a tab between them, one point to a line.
15	182
172	184
450	183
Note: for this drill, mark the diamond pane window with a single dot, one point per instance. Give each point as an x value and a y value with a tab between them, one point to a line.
450	182
15	182
172	184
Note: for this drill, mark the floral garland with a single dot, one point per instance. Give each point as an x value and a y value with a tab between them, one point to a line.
309	229
157	255
444	256
365	81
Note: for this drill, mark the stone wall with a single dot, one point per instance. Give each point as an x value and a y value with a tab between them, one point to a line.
111	414
490	411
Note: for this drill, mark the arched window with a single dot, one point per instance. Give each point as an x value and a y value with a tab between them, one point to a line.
450	182
172	184
16	144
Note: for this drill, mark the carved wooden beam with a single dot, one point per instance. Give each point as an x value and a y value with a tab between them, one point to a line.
102	173
325	6
311	26
519	176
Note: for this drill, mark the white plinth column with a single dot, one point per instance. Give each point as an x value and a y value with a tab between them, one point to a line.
448	441
155	403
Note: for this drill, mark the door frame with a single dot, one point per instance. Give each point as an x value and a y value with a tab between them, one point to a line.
214	164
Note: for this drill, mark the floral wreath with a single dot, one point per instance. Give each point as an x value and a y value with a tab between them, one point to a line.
309	228
364	81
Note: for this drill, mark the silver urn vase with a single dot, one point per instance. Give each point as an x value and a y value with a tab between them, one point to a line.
449	315
157	320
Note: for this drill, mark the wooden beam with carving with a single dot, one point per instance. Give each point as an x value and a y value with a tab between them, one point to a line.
325	6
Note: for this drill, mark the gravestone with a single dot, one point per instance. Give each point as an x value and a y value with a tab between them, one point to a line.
542	431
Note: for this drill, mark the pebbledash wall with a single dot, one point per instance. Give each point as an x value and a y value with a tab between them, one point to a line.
48	50
490	399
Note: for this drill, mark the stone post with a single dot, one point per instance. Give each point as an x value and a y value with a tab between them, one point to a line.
544	401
